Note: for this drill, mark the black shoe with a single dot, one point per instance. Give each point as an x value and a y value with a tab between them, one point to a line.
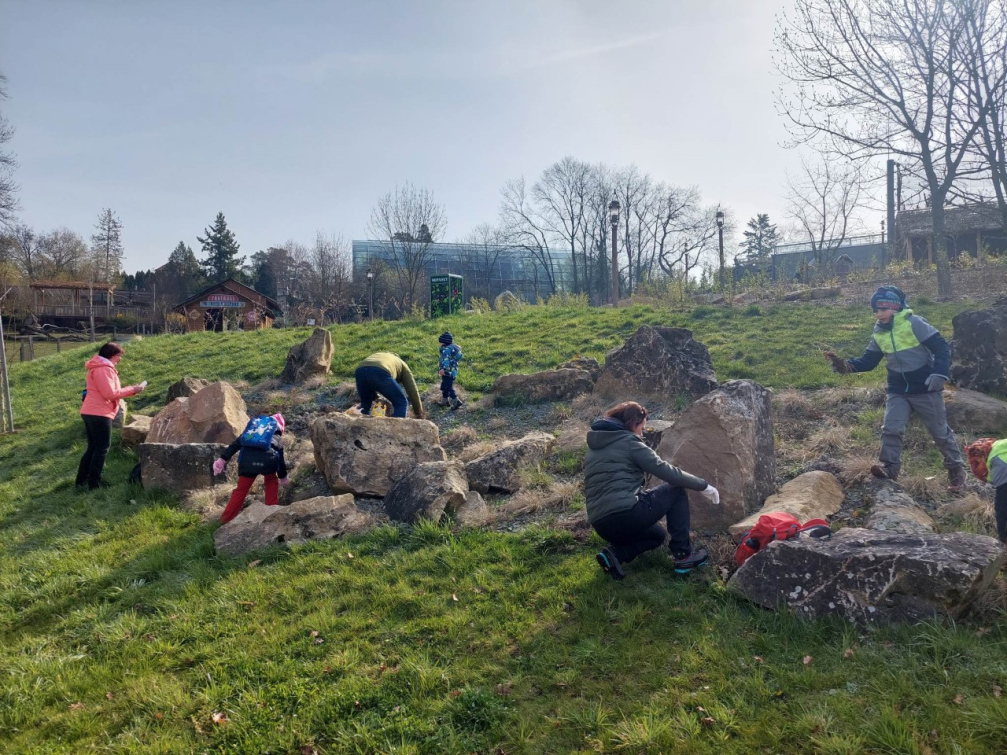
610	564
687	563
99	484
456	403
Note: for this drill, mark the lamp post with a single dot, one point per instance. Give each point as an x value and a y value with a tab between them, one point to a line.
720	242
882	231
613	215
370	294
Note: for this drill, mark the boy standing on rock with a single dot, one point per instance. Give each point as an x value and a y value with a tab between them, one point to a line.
919	361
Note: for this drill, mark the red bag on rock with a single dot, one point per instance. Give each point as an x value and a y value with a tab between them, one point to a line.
777	526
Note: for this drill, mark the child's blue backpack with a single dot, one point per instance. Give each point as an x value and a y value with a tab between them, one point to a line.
258	433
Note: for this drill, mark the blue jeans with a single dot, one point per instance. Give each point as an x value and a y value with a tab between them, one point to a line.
373	380
638	530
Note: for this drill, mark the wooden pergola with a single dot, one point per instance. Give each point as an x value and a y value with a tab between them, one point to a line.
80	295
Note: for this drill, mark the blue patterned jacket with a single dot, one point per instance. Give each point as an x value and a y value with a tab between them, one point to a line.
451	355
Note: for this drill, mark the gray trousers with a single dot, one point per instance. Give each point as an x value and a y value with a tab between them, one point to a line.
930	407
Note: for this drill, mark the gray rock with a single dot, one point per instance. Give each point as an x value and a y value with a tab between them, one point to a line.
659	361
654	431
726	437
427	491
119	420
501	469
183	467
216	414
588	364
367	455
260	526
894	510
867	576
474	511
973	412
550	385
979	349
312	358
812	495
187	386
136	431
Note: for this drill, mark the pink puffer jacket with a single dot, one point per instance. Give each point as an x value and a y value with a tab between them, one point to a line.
103	389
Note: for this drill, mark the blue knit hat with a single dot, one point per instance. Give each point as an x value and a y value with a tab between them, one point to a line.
445	338
887	296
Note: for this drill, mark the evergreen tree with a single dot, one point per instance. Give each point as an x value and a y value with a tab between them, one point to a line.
221	250
183	270
760	239
106	246
263	275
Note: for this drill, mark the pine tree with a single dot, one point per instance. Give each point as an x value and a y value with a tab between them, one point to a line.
760	239
106	246
221	250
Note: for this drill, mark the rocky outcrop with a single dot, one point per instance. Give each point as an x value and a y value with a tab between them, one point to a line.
973	412
590	365
812	495
726	437
187	386
312	358
216	414
658	361
867	576
550	385
894	510
979	349
501	469
135	433
321	518
367	455
427	491
182	468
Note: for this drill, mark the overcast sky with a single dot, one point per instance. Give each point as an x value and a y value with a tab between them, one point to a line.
294	117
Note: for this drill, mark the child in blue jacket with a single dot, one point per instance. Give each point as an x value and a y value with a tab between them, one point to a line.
451	355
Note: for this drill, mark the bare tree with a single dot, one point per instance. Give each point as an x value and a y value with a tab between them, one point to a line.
27	253
8	189
561	195
523	226
330	273
873	78
408	220
62	252
823	200
485	245
106	245
633	189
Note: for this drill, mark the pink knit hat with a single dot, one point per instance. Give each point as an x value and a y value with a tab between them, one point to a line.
281	423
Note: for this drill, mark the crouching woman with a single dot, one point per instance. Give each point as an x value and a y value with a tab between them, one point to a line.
618	507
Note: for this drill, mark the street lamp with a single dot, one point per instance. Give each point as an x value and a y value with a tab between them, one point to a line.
613	215
720	241
370	294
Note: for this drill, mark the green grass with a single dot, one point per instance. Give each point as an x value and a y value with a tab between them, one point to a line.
122	631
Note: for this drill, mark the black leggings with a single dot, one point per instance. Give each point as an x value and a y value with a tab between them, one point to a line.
99	438
637	530
1000	507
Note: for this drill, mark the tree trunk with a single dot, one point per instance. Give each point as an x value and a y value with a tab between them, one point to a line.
940	247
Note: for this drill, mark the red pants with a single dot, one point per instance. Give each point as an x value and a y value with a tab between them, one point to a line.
238	496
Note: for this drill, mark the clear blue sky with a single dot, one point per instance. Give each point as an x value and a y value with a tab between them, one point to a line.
293	117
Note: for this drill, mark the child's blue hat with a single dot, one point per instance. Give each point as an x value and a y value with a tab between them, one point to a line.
887	296
446	338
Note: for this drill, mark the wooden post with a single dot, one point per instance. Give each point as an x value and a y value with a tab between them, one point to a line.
930	249
979	246
59	345
23	352
909	250
5	400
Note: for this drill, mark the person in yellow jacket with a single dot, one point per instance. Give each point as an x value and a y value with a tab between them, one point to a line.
988	459
387	374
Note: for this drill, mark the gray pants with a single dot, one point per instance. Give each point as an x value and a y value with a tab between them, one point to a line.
930	407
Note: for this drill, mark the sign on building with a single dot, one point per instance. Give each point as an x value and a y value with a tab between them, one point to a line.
222	301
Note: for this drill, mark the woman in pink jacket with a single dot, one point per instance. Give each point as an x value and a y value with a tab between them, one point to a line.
101	402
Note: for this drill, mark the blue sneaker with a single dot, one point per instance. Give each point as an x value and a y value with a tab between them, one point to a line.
693	560
610	564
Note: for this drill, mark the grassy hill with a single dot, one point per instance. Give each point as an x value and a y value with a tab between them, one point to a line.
121	630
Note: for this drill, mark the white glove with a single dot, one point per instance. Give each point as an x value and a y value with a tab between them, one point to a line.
711	494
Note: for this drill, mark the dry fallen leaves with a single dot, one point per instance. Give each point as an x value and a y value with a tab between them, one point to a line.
109	696
758	659
76	706
454	597
807	660
253	564
997	690
220	718
454	693
308	750
848	653
959	699
982	631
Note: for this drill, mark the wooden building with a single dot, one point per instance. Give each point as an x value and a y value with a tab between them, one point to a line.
228	306
971	229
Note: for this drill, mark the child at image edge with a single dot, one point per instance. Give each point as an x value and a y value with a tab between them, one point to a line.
988	459
252	462
448	369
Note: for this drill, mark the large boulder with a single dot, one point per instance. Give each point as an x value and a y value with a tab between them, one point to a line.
894	510
187	386
182	468
812	294
654	430
812	495
312	358
979	349
588	364
321	518
367	455
550	385
658	361
427	491
136	431
973	412
507	302
119	420
216	414
501	469
869	576
726	437
474	512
